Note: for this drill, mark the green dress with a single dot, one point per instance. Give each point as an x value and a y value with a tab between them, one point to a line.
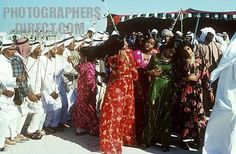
157	127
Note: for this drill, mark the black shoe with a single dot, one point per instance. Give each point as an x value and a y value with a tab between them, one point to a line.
165	148
49	130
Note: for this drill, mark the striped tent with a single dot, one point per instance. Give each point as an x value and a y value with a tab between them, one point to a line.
189	15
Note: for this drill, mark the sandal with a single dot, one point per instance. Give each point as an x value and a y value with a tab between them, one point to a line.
22	137
34	136
10	142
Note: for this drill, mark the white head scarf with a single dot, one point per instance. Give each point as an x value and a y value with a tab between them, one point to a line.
87	42
7	44
229	58
59	42
78	41
167	32
68	39
204	32
48	46
34	45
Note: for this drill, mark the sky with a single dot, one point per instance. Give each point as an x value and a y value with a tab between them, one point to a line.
122	7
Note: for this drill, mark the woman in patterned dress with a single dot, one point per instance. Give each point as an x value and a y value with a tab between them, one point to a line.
117	125
160	100
191	76
84	115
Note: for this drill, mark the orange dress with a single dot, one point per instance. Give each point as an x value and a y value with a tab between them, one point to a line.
117	125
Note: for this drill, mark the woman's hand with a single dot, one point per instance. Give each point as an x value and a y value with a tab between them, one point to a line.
212	97
154	72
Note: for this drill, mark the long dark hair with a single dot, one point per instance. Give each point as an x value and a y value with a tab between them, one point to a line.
108	48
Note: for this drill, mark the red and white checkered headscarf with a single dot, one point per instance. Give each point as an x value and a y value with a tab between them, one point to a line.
23	47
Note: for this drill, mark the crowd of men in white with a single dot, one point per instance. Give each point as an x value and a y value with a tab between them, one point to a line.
51	86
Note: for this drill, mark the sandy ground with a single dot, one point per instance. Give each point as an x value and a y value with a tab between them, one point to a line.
67	143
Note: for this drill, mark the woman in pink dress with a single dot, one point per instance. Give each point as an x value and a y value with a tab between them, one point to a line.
141	87
84	115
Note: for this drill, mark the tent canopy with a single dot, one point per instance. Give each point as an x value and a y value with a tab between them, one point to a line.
220	21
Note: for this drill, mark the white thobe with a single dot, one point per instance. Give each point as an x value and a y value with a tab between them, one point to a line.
53	106
8	110
221	129
35	81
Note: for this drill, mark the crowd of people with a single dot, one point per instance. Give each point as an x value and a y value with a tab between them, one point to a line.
134	90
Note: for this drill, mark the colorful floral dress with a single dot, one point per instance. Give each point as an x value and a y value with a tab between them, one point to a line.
84	112
117	125
188	112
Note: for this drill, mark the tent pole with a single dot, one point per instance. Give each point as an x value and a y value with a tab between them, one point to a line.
181	17
195	32
181	21
112	20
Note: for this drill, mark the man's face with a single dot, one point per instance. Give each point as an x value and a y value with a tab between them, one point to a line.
71	46
53	52
188	38
60	49
209	37
166	38
225	37
38	51
9	52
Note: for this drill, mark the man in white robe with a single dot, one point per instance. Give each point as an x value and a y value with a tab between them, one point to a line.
69	73
8	110
61	65
33	66
220	136
50	90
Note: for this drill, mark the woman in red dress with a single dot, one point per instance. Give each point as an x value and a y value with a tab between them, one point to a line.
117	125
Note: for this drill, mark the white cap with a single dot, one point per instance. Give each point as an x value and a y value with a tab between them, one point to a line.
154	31
7	44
